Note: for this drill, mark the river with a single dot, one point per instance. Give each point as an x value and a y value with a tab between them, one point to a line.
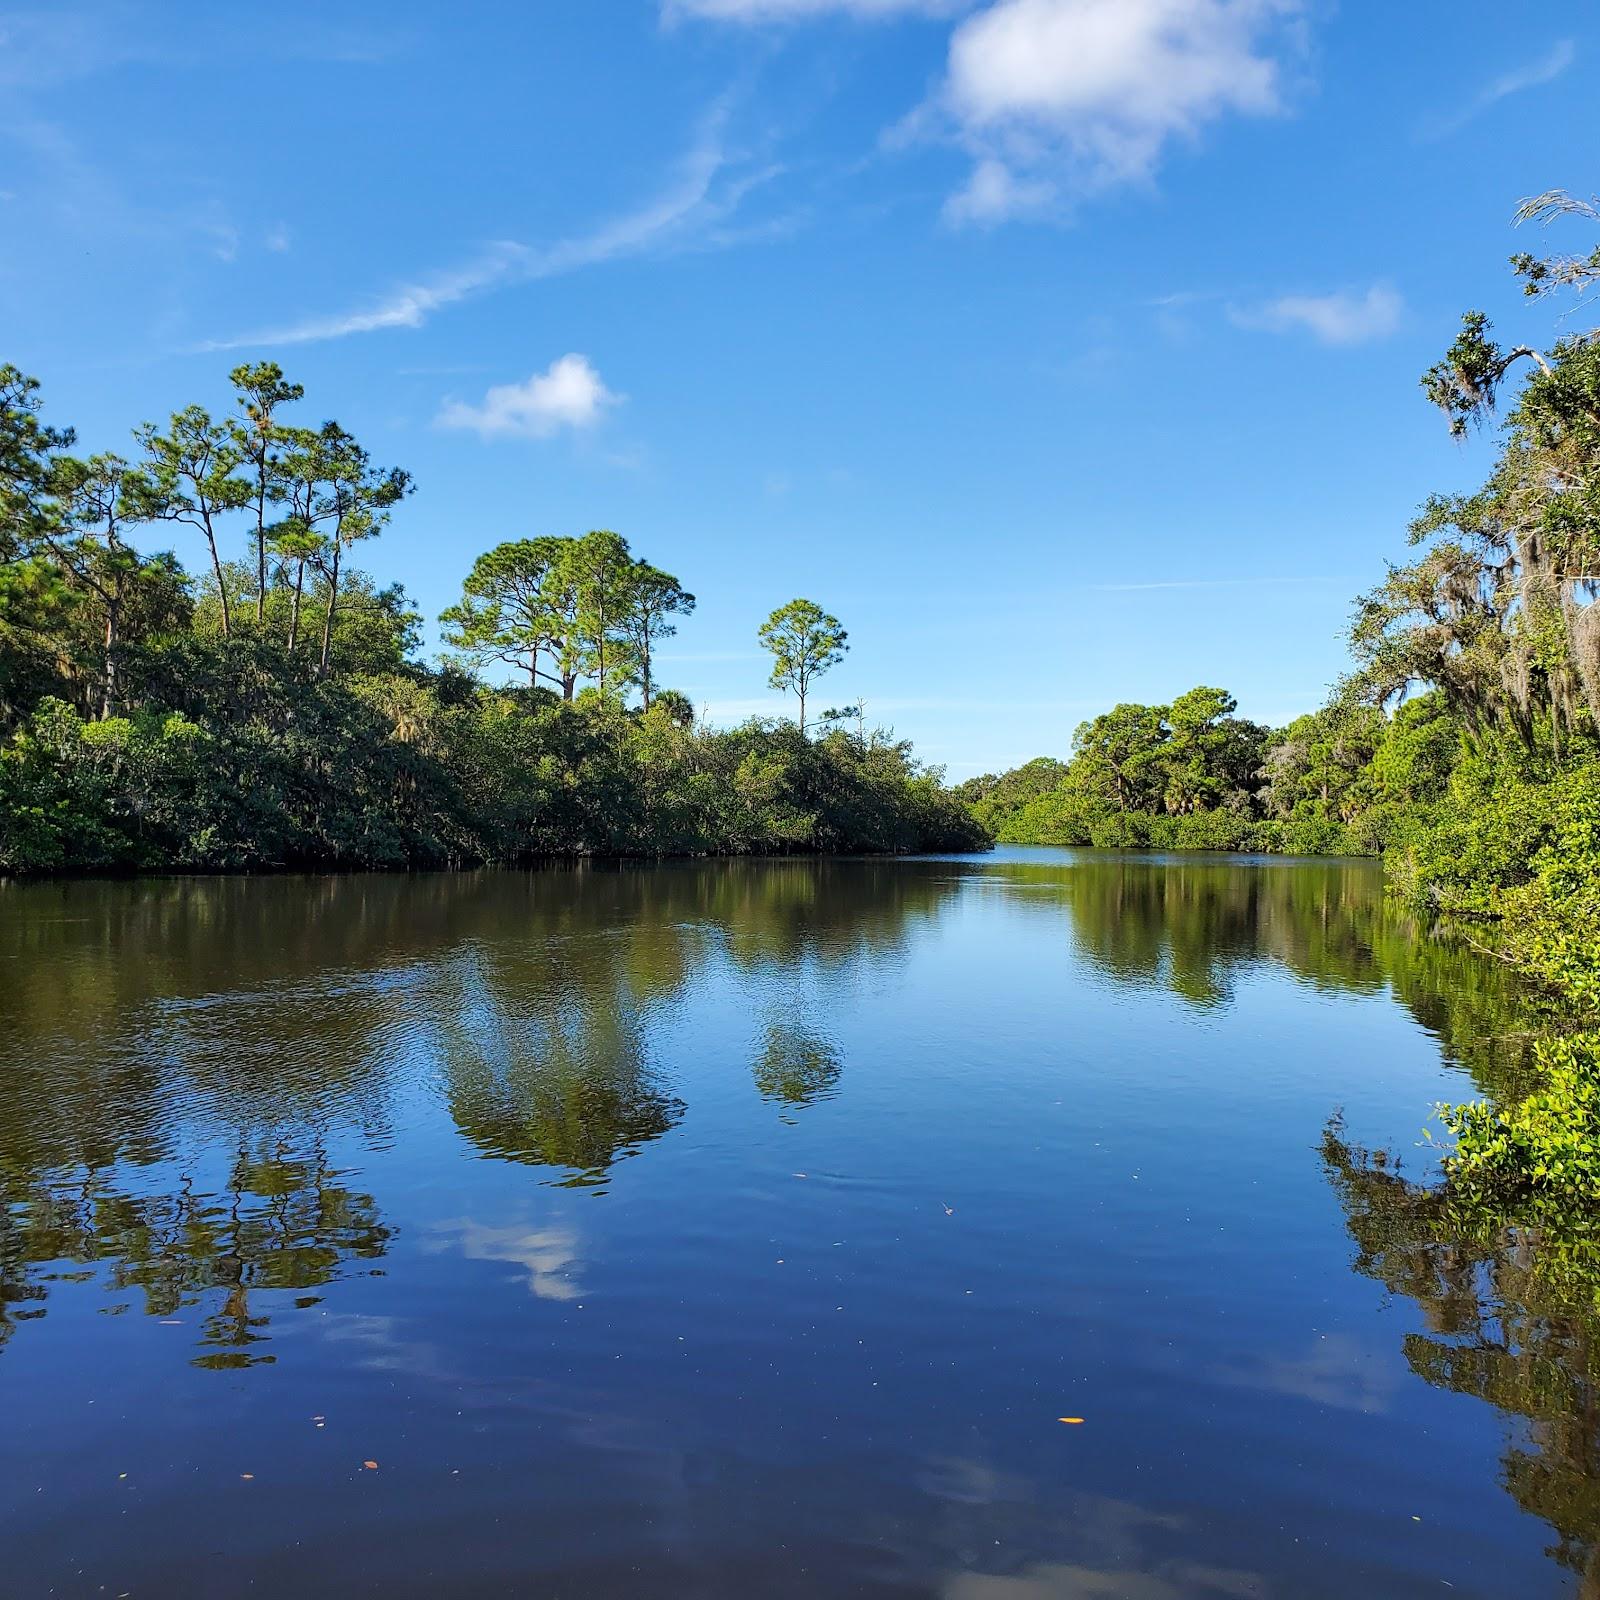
997	1228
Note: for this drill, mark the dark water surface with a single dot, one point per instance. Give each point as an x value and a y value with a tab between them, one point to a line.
744	1229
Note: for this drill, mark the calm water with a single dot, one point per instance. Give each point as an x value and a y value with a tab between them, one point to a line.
742	1229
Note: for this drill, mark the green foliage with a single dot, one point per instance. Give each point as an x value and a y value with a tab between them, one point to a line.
260	761
805	642
1500	617
1542	1151
1185	776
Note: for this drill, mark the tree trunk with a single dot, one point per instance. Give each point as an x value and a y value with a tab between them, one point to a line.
222	586
333	601
294	609
108	696
261	540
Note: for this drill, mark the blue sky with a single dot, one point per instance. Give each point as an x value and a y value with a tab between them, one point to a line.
1067	349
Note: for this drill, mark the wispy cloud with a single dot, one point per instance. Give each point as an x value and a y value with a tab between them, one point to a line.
701	197
569	393
1546	69
1343	317
47	47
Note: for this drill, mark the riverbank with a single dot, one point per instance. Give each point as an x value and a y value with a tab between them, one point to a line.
399	770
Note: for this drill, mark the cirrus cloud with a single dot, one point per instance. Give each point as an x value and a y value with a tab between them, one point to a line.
569	393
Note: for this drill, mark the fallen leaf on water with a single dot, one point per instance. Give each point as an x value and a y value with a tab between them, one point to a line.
1069	1419
248	1477
371	1466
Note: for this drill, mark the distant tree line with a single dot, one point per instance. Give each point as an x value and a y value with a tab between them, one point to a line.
1194	776
273	710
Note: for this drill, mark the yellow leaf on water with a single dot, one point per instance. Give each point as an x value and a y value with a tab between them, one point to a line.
1069	1419
371	1466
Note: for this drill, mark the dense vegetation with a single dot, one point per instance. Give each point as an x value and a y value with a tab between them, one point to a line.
274	712
1193	776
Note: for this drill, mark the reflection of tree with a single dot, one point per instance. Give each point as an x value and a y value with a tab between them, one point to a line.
545	1039
1513	1318
578	1101
796	1066
545	1045
282	1223
1193	927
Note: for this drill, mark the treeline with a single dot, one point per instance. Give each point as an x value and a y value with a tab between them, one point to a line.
1191	775
274	712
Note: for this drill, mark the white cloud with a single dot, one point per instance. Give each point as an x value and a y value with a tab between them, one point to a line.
994	192
1340	318
692	208
1533	76
1058	98
568	394
796	10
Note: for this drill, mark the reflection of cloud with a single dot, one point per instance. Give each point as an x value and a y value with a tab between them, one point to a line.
380	1343
1337	1372
1051	1580
971	1483
544	1254
1101	1548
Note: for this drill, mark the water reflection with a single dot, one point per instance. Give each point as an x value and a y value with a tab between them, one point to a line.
281	1222
264	1016
796	1066
544	1051
1511	1315
230	1103
1194	926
